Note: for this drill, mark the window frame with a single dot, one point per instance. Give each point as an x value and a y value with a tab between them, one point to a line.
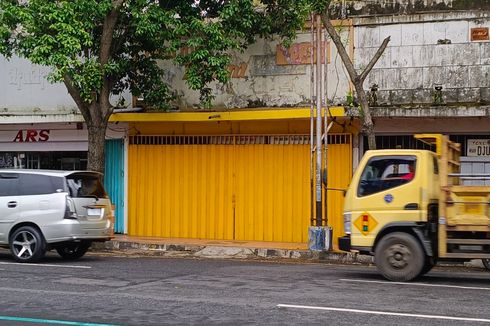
379	183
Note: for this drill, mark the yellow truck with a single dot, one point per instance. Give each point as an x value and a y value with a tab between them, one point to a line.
411	209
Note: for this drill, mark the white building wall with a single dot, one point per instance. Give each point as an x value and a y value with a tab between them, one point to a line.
27	96
426	49
265	83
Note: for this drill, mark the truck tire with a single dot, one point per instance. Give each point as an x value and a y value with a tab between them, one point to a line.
428	265
399	257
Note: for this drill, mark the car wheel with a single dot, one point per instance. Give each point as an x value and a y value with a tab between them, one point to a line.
486	263
73	250
399	257
27	244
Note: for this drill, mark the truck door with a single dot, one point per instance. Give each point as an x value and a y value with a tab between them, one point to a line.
389	191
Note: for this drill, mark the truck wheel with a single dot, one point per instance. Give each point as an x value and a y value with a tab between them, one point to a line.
428	265
486	263
399	257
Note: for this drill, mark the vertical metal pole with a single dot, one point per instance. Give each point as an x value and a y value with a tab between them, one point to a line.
318	192
325	125
312	116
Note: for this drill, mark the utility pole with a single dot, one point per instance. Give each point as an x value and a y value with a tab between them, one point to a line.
318	142
319	234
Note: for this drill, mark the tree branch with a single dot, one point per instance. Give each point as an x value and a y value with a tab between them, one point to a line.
110	22
75	94
376	57
340	47
108	32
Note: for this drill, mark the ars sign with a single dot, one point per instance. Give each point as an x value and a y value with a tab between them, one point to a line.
478	147
31	135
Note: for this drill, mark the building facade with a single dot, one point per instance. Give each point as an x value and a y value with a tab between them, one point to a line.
41	128
243	170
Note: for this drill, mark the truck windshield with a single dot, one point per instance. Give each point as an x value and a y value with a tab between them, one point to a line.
382	173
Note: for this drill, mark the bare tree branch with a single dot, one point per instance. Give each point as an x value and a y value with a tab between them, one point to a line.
375	59
358	80
340	47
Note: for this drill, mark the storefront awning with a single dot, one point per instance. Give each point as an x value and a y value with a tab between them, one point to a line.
258	114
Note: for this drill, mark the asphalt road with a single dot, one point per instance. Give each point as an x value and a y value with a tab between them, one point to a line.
161	291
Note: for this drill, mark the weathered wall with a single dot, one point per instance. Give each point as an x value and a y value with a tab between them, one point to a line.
425	50
258	81
341	9
24	91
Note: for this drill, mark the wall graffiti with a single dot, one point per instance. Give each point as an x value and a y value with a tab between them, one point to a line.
300	53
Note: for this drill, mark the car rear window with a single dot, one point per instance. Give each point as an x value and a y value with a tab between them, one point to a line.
85	185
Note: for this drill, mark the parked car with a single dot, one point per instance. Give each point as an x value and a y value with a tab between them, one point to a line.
41	210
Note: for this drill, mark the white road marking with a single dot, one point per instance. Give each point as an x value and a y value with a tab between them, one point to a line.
47	265
384	313
418	284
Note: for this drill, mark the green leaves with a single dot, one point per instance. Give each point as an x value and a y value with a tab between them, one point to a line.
67	35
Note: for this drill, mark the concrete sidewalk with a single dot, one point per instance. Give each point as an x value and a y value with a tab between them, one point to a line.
177	247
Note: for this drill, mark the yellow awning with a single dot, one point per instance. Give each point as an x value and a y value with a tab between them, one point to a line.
259	114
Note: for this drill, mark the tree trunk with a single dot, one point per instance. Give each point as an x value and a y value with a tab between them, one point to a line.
367	128
96	145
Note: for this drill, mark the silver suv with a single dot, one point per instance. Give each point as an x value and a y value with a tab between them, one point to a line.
42	210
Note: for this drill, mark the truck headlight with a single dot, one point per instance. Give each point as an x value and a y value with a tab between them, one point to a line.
347	219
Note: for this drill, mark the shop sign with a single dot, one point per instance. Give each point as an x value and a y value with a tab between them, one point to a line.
31	136
479	34
478	147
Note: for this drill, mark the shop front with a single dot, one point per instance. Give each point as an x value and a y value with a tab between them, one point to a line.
64	146
245	177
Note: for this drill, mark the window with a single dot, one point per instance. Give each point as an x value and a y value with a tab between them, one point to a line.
38	184
436	165
386	172
85	185
8	184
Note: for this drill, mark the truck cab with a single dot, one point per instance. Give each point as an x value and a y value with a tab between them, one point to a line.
402	208
381	196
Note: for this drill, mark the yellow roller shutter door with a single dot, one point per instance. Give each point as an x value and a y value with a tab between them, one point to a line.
225	188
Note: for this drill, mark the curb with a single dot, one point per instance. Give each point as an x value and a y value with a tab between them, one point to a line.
210	251
230	252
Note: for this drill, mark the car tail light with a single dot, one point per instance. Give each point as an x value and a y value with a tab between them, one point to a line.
70	212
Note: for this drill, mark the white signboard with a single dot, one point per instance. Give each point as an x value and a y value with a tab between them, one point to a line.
478	147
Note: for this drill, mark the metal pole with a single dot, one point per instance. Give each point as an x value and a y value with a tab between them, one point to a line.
312	115
318	192
326	127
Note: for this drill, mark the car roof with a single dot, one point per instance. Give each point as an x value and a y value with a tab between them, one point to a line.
53	173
